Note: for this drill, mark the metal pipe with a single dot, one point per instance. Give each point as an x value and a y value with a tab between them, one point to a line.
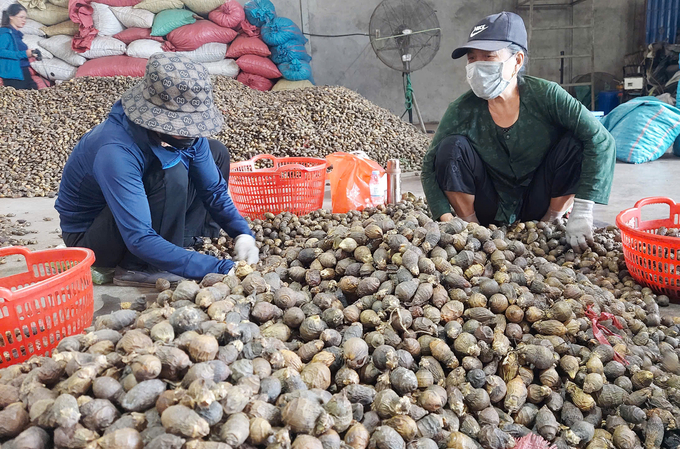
393	181
418	114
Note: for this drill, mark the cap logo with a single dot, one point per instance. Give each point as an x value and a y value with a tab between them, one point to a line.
478	29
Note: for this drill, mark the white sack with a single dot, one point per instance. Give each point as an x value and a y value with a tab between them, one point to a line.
105	20
104	46
60	47
54	69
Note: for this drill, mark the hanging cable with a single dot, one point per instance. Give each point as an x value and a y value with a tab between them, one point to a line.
335	35
408	95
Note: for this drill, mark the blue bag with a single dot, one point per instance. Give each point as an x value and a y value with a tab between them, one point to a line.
643	128
288	52
259	12
296	70
282	30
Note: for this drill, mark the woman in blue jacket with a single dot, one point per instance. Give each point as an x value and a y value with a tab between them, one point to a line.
14	53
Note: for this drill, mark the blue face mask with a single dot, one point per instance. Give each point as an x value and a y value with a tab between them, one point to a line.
486	78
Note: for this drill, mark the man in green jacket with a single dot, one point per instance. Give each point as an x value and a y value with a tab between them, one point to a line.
516	147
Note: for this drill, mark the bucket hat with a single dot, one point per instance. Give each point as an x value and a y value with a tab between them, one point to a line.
495	32
175	97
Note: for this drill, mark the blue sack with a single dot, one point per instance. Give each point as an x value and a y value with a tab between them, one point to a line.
282	30
260	12
296	70
643	128
288	52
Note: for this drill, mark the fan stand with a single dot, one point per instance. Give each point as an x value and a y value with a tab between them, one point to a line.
409	94
420	117
411	102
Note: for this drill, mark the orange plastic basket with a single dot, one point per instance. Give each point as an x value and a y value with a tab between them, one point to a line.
653	260
40	307
293	184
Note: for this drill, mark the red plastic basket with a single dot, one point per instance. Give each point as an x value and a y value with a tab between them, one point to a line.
293	184
653	260
40	307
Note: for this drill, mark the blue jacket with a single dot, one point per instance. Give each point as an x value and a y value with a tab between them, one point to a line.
106	167
11	54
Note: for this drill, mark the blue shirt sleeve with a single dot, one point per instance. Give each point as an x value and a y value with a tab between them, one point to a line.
7	48
212	189
119	175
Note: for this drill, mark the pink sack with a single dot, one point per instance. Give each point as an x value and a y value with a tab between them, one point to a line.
229	15
255	81
113	66
258	65
41	82
248	29
190	37
80	12
244	45
135	34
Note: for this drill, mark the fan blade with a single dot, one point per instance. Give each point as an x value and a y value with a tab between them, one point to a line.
404	27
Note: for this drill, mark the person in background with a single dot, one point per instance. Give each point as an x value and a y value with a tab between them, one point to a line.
14	53
516	147
141	186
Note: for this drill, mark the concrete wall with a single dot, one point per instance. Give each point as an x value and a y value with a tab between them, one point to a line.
619	30
351	62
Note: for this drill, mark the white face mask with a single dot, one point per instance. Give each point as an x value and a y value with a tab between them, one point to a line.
486	78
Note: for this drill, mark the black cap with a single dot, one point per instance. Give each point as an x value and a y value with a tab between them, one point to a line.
495	32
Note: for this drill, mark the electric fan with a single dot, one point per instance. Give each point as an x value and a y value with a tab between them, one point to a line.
405	35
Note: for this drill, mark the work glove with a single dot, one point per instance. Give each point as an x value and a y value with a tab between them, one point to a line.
246	249
580	225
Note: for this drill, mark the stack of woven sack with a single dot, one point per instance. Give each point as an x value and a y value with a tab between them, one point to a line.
285	40
116	38
142	28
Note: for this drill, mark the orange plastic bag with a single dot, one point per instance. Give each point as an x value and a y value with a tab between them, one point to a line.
349	179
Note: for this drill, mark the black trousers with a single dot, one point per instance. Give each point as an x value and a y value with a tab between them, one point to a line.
26	83
177	214
458	168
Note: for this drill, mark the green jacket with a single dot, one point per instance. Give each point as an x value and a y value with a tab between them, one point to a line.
546	112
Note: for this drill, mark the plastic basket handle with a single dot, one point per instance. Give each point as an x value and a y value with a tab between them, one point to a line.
279	166
14	250
265	156
655	200
300	167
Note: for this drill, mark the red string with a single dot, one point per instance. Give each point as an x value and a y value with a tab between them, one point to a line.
599	330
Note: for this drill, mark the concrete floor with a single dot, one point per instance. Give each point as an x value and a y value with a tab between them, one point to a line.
631	183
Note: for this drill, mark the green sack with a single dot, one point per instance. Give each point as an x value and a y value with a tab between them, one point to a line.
168	20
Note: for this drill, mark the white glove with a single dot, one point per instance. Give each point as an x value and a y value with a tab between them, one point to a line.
580	225
246	249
